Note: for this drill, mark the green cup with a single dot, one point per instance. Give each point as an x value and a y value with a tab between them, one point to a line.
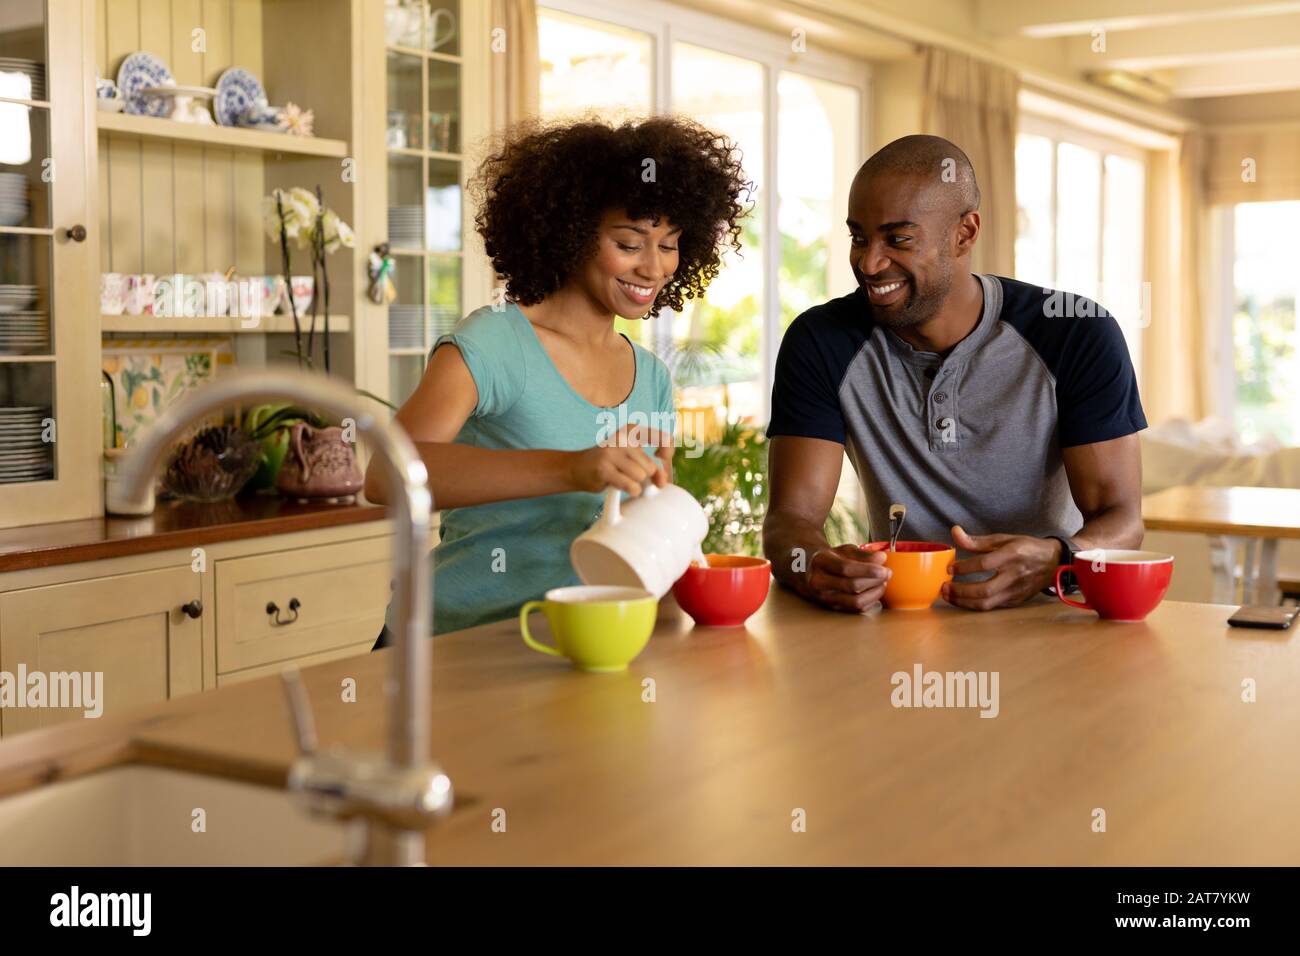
597	628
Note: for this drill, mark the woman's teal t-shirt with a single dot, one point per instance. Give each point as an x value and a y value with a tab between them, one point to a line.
494	557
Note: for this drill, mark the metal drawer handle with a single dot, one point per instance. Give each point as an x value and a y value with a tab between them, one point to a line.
193	610
272	608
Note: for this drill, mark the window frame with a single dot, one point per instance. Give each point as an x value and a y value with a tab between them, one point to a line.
1057	132
1220	349
1219	346
667	24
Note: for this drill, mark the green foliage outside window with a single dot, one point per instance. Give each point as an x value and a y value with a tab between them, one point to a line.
729	479
1264	340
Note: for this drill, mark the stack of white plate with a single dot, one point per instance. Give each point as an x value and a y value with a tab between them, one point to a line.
442	319
23	455
16	298
405	326
406	226
34	71
24	333
13	199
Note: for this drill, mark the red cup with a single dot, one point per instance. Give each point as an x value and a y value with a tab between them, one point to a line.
725	593
1119	585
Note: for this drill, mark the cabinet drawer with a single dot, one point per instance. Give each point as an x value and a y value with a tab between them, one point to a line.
301	663
341	591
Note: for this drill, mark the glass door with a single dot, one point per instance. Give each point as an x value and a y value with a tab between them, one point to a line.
423	133
48	463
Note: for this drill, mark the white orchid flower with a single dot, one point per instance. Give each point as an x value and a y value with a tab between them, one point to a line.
336	232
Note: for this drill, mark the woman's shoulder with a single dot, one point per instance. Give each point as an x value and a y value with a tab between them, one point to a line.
489	321
493	333
490	344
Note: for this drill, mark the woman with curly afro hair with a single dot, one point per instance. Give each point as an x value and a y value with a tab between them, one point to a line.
533	406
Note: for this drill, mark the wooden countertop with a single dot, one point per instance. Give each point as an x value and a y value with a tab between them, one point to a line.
173	524
1144	721
1249	511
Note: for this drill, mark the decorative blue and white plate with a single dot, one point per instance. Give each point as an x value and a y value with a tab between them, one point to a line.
237	90
140	70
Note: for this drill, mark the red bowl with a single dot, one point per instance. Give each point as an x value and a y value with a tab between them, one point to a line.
725	593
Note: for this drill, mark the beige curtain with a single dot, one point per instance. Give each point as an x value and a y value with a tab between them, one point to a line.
973	103
1260	164
514	63
1177	380
1194	268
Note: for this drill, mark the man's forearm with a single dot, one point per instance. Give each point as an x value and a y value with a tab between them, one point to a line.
1119	526
790	542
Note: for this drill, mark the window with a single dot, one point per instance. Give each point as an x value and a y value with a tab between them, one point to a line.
817	163
1080	221
586	64
800	131
1265	339
729	319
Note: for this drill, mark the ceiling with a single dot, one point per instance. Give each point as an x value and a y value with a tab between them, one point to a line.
1182	50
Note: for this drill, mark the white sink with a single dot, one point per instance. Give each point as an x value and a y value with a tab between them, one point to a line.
144	816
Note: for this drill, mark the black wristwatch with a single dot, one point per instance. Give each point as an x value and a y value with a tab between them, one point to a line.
1068	551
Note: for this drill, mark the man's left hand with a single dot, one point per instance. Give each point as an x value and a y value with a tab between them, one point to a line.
1022	566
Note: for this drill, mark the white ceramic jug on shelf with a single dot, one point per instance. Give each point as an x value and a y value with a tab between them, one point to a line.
646	542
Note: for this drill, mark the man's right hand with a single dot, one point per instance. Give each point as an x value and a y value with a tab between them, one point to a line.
846	578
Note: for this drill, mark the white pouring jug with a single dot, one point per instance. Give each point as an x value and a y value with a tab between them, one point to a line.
646	542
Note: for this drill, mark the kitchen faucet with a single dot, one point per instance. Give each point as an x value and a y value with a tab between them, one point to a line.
396	795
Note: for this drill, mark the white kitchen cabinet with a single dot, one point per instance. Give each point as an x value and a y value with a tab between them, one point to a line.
161	625
142	632
142	196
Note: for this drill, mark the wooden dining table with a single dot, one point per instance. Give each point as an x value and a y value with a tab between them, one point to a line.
1246	519
1169	742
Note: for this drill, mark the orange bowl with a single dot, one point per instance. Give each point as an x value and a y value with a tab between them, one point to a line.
920	570
725	593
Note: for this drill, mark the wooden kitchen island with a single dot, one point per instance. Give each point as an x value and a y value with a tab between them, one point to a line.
750	733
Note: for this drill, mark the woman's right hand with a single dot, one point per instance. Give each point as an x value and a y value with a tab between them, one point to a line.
622	464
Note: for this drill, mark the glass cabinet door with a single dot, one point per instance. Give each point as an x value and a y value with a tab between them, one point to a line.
48	462
425	173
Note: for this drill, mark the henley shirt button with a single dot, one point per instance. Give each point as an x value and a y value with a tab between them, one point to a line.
940	398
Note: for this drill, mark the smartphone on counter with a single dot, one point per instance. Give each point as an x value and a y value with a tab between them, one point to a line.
1276	618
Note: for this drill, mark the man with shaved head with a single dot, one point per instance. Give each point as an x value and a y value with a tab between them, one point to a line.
1002	424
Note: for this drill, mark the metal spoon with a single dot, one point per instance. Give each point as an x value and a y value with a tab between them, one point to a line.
897	514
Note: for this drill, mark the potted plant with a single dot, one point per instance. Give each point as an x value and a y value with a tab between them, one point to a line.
724	467
728	478
300	216
303	453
